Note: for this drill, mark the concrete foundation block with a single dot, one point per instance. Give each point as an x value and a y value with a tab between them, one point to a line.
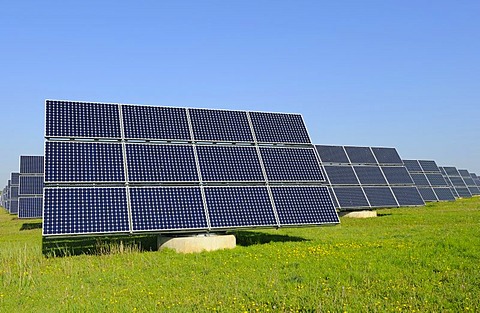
197	243
359	214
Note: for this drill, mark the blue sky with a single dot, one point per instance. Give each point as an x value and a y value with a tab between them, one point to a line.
402	74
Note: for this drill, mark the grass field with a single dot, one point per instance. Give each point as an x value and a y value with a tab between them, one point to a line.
423	259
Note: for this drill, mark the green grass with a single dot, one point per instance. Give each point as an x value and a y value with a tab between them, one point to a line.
409	259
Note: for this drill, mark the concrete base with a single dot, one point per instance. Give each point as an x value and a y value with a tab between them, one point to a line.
197	243
359	214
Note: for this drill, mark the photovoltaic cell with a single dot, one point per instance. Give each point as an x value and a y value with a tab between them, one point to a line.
427	194
80	119
13	192
429	166
463	192
444	194
167	208
457	181
451	171
341	175
239	207
332	195
474	190
279	127
380	197
69	211
155	123
161	163
220	125
15	178
436	179
412	166
13	206
31	185
31	164
332	154
360	155
469	181
31	207
420	179
387	155
407	196
464	173
83	162
397	175
302	205
370	175
291	164
229	163
350	197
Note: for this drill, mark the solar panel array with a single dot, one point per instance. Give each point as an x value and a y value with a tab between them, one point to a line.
30	195
455	181
131	168
469	182
12	193
429	180
367	177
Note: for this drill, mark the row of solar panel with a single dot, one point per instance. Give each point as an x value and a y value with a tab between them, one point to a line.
165	209
461	182
358	155
421	166
67	119
104	162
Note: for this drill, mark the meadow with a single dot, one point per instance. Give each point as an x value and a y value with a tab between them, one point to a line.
423	259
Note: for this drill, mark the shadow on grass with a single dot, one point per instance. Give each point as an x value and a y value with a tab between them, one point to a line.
28	226
383	214
248	238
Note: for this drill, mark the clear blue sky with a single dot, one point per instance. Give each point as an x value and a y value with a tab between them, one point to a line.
402	74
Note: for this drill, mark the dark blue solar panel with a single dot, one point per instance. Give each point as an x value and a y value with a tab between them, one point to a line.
291	164
341	175
412	166
279	127
229	163
451	171
397	175
332	154
387	155
429	166
31	185
13	206
332	195
463	192
220	125
408	196
436	179
304	205
444	194
360	155
350	197
81	119
442	170
155	123
13	192
457	181
72	210
15	178
469	181
370	175
83	162
474	190
420	179
31	164
161	163
380	197
30	207
427	194
239	207
167	208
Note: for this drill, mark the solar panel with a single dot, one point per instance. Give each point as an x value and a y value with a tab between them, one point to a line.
464	173
370	175
427	194
380	197
15	178
474	190
442	170
332	154
412	166
13	206
351	197
463	192
229	163
31	164
68	119
155	123
429	166
360	155
387	155
341	175
279	127
457	181
303	205
167	208
239	207
220	125
397	175
407	196
436	179
83	162
451	171
85	210
161	163
13	192
420	179
469	181
30	207
444	194
332	195
31	185
291	164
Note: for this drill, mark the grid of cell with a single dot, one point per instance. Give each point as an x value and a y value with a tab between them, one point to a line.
457	181
304	205
360	155
31	164
444	194
427	194
94	210
81	119
341	175
436	179
279	127
332	195
397	175
167	208
463	192
291	164
469	181
350	197
155	123
83	162
412	166
31	207
15	178
408	196
420	179
220	125
429	166
13	192
451	171
387	155
380	197
239	207
30	185
474	190
13	206
332	154
229	163
370	175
